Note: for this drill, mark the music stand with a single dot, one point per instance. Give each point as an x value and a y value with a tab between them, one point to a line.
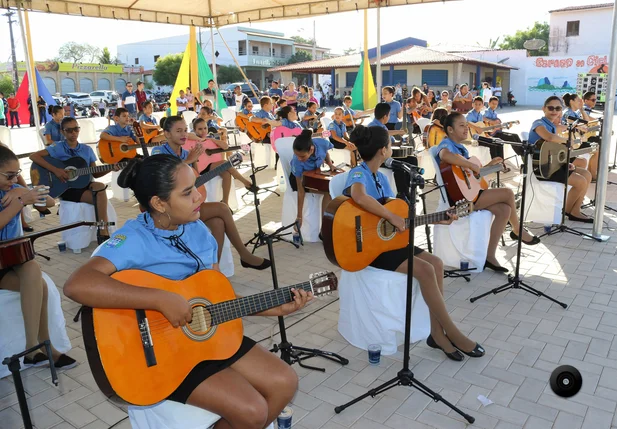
562	227
405	376
515	281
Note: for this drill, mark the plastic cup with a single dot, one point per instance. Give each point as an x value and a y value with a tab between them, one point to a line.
283	421
43	192
547	228
62	246
374	354
464	264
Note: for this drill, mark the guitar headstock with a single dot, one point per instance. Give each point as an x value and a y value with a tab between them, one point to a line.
137	130
323	283
235	159
462	208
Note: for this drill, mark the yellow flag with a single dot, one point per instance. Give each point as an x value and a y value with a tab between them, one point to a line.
182	81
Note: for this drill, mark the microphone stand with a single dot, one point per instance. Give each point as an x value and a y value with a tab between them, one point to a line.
515	281
562	227
405	376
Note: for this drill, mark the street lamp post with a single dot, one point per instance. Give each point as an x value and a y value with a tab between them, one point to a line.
9	15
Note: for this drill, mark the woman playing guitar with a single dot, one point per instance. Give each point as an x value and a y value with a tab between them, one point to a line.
423	106
500	202
369	188
574	109
25	278
247	390
216	216
579	178
436	133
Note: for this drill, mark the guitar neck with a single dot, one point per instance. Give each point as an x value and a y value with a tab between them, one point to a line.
39	234
499	126
578	152
206	177
221	150
99	169
485	171
429	218
248	305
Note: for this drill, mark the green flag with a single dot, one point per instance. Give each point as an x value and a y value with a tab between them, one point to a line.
205	74
360	88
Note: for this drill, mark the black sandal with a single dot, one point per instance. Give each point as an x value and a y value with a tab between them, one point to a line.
496	268
455	355
579	219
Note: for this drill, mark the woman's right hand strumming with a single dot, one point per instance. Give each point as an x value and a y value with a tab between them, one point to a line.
176	309
398	222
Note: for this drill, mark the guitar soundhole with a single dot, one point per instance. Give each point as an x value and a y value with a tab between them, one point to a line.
71	172
200	328
385	230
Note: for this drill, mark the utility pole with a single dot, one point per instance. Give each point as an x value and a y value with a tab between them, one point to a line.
9	14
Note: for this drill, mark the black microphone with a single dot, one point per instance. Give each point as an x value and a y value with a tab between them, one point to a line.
395	164
488	140
575	119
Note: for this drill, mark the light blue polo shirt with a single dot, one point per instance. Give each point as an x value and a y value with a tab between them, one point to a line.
148	119
569	112
264	114
315	161
395	107
543	122
52	129
290	124
13	228
61	150
490	114
376	123
166	149
375	185
338	128
139	245
275	91
455	148
118	131
474	116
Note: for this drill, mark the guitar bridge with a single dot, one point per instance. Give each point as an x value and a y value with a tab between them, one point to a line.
359	234
146	337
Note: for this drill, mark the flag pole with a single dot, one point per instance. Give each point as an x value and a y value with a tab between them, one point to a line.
378	47
367	64
193	64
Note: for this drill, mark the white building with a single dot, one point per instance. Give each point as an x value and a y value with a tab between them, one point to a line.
581	30
256	50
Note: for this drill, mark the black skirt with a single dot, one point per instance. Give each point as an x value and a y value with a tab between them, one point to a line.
559	176
74	195
205	369
393	259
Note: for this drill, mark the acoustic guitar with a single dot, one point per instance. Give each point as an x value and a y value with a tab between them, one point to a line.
353	237
548	158
19	250
463	185
350	121
257	132
80	175
112	152
139	356
243	121
483	129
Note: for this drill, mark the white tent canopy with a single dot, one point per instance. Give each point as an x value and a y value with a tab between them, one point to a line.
202	13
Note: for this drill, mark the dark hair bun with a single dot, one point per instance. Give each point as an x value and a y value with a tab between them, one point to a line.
128	176
306	133
361	135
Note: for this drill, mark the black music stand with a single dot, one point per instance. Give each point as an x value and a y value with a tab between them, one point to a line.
290	353
562	227
515	281
405	376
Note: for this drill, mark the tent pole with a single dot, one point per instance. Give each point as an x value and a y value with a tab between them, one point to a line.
216	90
31	78
367	64
193	66
378	68
238	65
607	128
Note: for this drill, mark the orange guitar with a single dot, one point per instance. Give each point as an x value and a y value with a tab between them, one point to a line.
140	357
257	132
353	237
350	120
464	185
114	152
243	121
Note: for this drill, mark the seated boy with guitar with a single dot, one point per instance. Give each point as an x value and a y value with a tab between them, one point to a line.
353	117
475	117
339	137
310	120
369	189
149	124
70	148
500	201
265	120
122	130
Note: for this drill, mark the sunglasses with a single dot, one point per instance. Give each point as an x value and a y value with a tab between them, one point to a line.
11	176
554	108
593	99
72	130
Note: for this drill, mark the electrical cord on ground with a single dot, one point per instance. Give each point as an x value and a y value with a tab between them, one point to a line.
118	422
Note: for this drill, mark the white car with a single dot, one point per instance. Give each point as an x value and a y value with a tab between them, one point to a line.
79	98
110	97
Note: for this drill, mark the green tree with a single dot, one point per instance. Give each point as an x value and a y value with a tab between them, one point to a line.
166	69
350	51
78	52
300	39
105	56
228	74
300	57
6	85
540	30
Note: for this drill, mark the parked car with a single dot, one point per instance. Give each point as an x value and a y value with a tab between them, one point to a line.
149	94
110	97
79	98
228	92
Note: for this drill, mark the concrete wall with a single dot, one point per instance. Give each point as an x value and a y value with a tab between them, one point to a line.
594	32
60	82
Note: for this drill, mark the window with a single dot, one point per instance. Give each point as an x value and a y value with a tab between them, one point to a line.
241	47
435	77
572	28
273	52
255	50
350	79
398	76
156	58
136	61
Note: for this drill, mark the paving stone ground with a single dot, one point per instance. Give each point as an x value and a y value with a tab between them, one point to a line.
525	339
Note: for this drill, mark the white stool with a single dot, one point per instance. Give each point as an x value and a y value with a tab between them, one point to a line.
172	415
263	154
12	331
214	189
81	237
119	193
226	264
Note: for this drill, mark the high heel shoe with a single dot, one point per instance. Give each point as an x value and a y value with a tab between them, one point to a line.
456	355
535	240
495	268
265	264
478	350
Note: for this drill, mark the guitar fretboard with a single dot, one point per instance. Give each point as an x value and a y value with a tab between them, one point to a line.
429	218
204	178
490	170
237	308
98	169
